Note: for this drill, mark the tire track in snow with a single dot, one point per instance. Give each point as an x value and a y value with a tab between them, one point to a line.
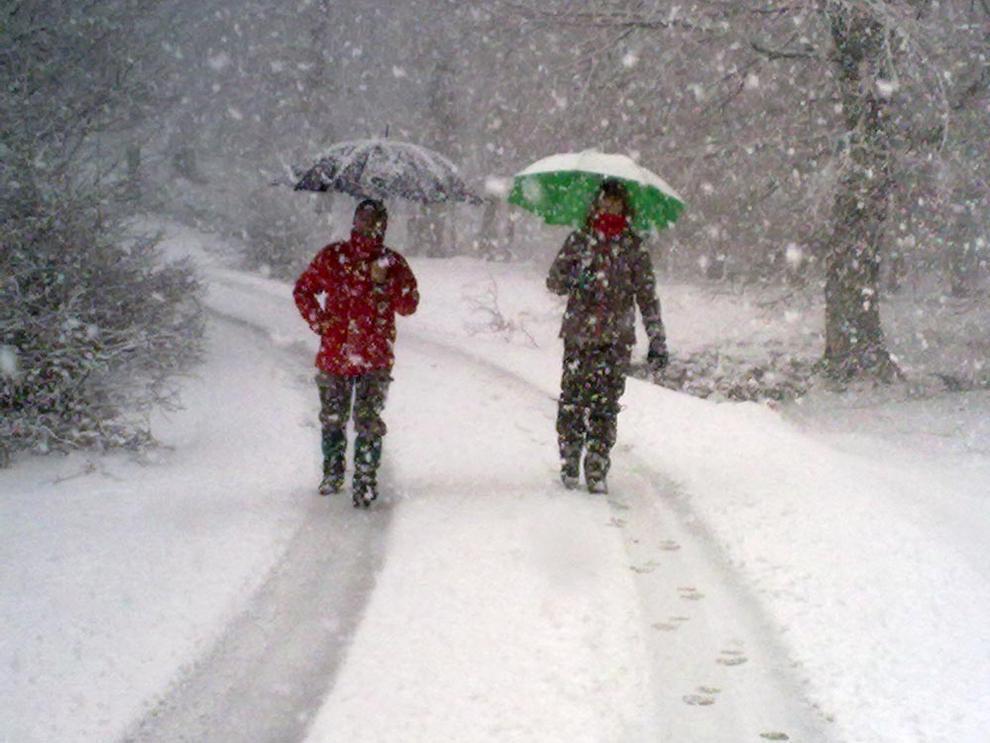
274	664
721	672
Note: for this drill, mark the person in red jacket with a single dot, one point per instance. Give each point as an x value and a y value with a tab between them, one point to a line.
363	284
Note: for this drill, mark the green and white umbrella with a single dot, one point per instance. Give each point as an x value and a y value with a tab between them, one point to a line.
560	189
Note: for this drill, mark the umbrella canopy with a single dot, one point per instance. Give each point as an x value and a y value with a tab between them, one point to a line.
560	189
386	169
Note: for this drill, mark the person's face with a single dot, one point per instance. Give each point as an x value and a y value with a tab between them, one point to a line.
610	205
369	223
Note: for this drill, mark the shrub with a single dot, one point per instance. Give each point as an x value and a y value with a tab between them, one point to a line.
94	328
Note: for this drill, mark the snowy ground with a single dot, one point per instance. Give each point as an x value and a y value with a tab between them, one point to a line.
817	571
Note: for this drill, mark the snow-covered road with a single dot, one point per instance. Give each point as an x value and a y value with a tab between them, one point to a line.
506	608
743	581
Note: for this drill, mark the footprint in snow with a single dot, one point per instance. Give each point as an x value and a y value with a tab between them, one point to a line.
732	658
690	593
669	545
647	567
617	522
704	698
698	700
671	625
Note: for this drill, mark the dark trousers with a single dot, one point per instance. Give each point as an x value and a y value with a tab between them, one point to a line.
366	394
593	380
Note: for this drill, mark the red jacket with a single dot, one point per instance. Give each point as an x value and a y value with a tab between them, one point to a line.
357	319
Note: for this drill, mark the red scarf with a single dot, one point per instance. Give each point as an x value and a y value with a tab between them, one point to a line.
609	226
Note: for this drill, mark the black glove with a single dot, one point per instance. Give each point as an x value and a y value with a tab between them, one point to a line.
657	357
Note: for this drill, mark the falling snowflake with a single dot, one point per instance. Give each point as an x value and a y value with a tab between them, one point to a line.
219	61
887	88
532	191
498	186
794	255
8	362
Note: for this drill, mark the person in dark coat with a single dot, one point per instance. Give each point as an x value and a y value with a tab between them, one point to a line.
363	284
604	271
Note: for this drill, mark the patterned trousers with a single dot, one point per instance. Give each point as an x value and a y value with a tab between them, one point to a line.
366	394
593	380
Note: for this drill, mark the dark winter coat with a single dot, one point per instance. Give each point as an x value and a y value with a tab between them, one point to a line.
604	279
357	319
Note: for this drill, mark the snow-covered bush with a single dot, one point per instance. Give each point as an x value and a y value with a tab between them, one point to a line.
715	374
92	326
93	330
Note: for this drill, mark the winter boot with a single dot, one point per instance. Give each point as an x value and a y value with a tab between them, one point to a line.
598	486
367	455
570	473
331	483
570	442
334	443
364	491
595	470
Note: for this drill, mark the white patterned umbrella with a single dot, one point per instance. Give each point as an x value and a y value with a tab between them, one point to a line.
385	169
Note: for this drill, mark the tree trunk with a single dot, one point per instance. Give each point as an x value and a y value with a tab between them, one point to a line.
854	339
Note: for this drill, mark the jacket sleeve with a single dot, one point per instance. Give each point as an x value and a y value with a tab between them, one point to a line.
402	287
309	284
566	267
645	286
